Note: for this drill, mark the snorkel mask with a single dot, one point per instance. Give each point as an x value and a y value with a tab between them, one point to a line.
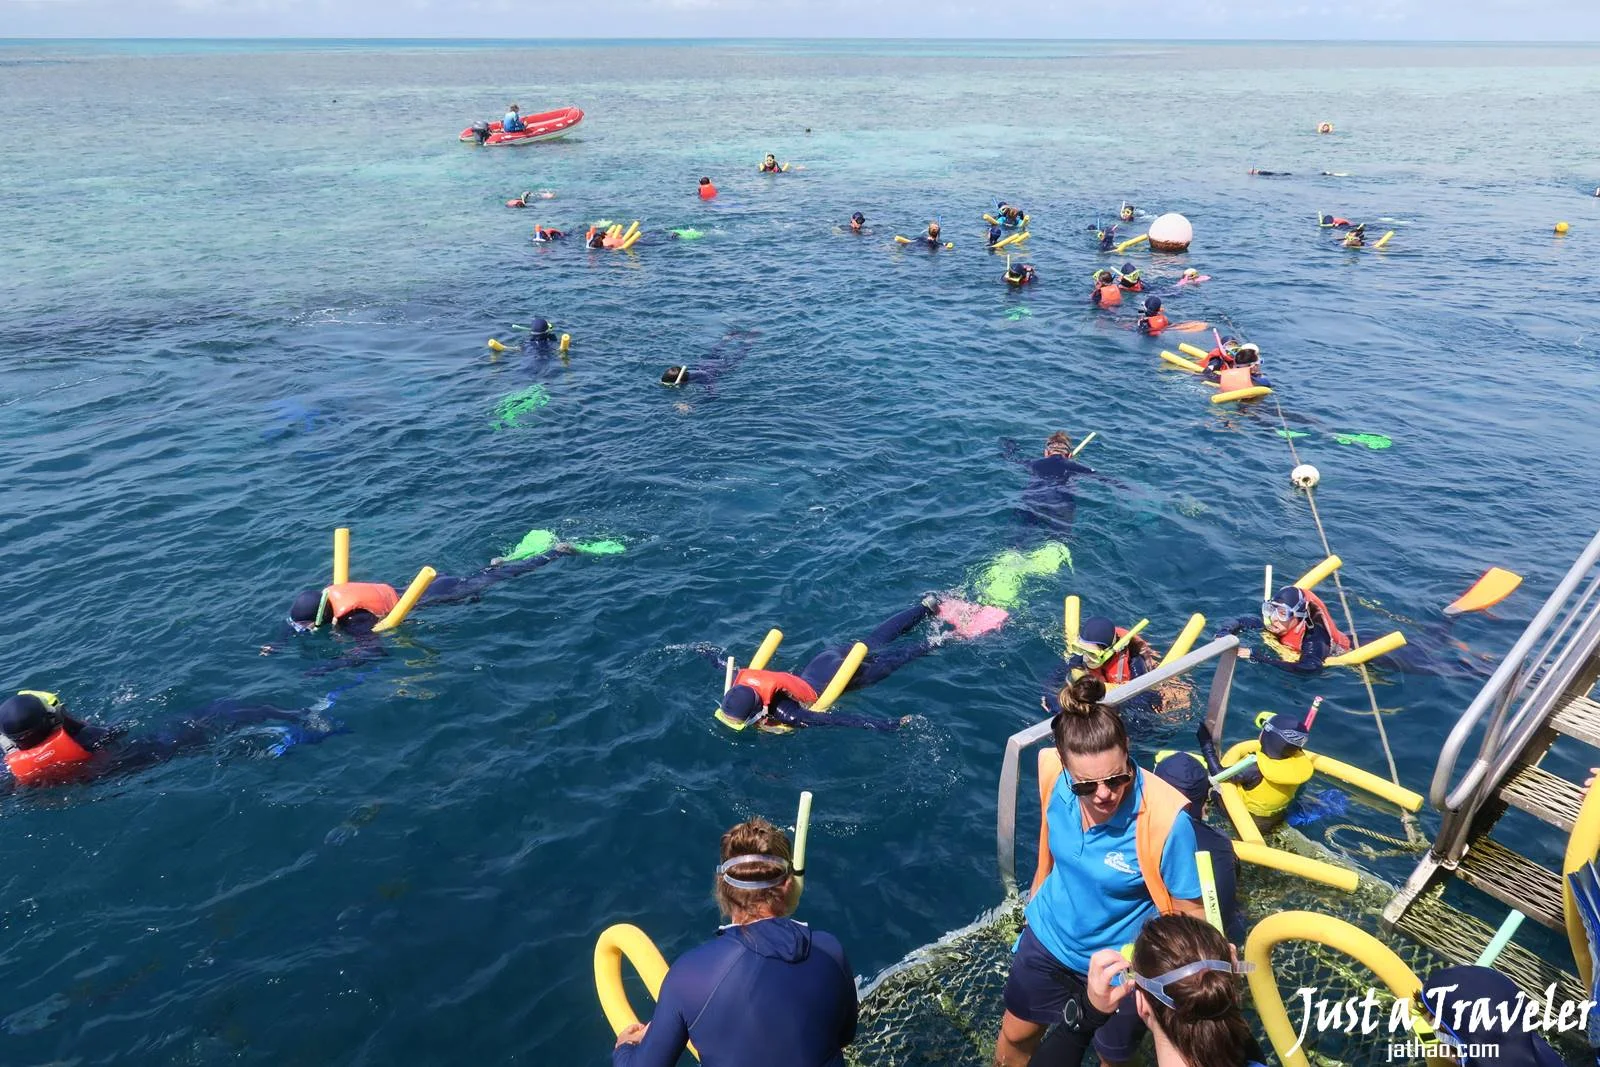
1097	655
725	868
1278	613
742	697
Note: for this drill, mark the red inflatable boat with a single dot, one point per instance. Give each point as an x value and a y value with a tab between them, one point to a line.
540	127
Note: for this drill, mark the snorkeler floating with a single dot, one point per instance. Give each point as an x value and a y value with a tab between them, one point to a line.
770	165
44	745
778	701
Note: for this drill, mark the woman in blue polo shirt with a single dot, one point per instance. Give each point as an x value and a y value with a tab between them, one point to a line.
1116	848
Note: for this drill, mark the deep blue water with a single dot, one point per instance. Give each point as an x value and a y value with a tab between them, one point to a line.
245	300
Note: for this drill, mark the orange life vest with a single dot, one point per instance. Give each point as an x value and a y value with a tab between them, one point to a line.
49	763
1155	323
1117	669
770	683
1110	295
373	597
1232	379
1296	633
708	191
1160	805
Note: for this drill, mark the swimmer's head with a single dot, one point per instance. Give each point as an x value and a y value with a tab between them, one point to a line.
933	229
1058	444
1283	736
1129	269
1095	638
674	375
303	612
1359	227
1152	304
770	158
1246	354
1126	213
539	327
511	107
1187	775
741	704
857	220
1285	609
1190	273
27	721
705	181
1104	277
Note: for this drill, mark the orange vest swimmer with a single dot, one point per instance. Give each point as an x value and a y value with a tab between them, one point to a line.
707	190
1107	294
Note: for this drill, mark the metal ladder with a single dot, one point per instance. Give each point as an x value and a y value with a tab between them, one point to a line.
1532	699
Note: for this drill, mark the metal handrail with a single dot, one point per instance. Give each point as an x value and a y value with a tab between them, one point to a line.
1223	649
1499	683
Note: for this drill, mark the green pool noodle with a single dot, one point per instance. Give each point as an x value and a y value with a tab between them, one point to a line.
1000	584
688	233
533	543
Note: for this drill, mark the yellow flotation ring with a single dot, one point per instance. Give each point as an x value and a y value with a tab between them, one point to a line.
1336	934
626	941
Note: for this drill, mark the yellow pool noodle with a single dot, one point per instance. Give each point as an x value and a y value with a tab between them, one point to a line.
615	943
1006	242
1363	780
631	240
1371	650
991	220
1191	350
615	230
1300	866
1255	392
341	555
769	645
1071	609
1186	639
847	670
1181	363
497	346
1124	246
1244	824
1208	889
1313	577
413	593
1581	847
1384	239
566	342
633	228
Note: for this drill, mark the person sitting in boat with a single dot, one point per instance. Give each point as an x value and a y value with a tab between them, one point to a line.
1297	621
1106	294
1357	237
766	990
512	123
1131	278
1019	274
858	222
773	698
1154	320
770	165
1127	213
44	745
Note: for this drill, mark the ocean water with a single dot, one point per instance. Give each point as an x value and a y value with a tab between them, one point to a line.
246	291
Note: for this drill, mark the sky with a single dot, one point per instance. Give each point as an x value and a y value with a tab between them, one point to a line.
1406	20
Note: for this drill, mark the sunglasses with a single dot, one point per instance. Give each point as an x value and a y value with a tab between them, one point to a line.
1089	787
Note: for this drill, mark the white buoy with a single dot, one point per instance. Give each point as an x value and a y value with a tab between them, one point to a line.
1305	476
1171	233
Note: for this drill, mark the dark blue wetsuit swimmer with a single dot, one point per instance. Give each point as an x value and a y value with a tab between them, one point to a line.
767	990
1097	655
773	698
1300	622
44	745
356	607
1047	499
724	356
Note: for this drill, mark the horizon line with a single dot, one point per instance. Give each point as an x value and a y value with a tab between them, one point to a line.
548	39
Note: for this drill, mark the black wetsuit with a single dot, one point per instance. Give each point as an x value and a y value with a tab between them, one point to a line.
1315	647
117	751
882	660
725	355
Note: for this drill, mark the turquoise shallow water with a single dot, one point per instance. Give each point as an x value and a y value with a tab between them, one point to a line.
250	305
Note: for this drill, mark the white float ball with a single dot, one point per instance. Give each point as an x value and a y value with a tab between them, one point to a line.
1305	476
1171	233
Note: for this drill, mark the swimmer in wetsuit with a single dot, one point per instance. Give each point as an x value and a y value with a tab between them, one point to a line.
1106	293
542	234
772	698
44	745
1357	237
858	222
770	165
1298	620
1131	278
1269	173
1153	321
931	238
1008	216
725	355
1019	274
1334	222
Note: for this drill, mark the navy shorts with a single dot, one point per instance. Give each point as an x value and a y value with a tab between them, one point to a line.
1043	990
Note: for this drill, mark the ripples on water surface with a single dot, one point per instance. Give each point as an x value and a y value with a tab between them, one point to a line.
253	305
